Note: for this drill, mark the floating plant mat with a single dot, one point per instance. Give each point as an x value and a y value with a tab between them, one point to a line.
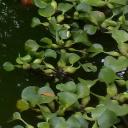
82	60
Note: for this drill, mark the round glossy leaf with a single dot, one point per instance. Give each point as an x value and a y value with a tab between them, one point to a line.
35	22
90	29
22	105
107	75
40	3
47	94
48	11
8	66
64	7
83	7
30	94
82	90
66	99
43	125
50	53
69	86
31	46
73	58
58	122
18	126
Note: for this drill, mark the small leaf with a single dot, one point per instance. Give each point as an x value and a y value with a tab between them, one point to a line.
16	116
50	53
120	36
18	126
30	94
107	75
8	66
89	67
82	90
73	58
58	122
47	94
120	2
64	7
22	105
31	46
96	3
48	11
66	99
83	7
43	125
116	64
90	29
80	36
47	41
40	3
69	86
35	22
72	122
95	49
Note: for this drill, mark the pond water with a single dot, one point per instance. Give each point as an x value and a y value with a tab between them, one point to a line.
14	31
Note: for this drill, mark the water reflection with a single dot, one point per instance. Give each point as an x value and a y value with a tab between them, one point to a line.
14	31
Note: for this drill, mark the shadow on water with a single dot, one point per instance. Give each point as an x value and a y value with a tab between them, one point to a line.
14	31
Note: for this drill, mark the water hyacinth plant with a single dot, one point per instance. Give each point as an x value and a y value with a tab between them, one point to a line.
87	73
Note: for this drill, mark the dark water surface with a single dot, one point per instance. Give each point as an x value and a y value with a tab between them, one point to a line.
14	31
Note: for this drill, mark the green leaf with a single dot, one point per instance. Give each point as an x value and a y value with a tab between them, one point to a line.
64	7
73	58
83	7
43	125
16	116
80	36
48	11
40	3
35	22
82	90
8	66
107	119
47	94
120	36
116	64
66	99
25	59
104	117
90	29
30	94
47	41
107	75
58	122
22	105
64	34
89	67
88	83
18	126
80	118
120	2
96	3
72	122
31	46
50	53
95	49
69	86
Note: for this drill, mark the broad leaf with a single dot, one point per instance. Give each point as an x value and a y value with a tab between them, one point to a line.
107	75
89	67
66	99
90	29
50	53
43	125
48	11
69	86
64	7
82	90
8	66
73	58
58	122
35	22
120	36
31	46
